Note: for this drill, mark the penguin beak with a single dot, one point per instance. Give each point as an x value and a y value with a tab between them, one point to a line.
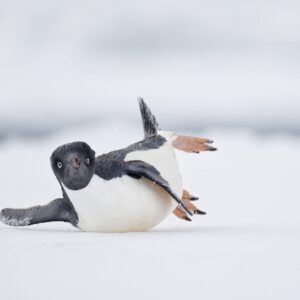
76	162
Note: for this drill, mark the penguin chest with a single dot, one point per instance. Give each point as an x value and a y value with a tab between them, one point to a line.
126	204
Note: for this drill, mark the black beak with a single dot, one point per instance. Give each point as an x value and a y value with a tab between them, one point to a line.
76	162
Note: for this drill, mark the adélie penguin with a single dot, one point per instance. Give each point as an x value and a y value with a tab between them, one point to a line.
132	189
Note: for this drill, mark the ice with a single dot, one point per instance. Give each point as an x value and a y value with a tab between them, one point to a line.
246	247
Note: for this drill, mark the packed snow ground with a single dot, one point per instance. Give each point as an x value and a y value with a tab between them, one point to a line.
246	247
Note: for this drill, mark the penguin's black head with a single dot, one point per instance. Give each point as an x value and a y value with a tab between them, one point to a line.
74	164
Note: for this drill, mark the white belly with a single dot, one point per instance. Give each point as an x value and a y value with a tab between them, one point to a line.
126	204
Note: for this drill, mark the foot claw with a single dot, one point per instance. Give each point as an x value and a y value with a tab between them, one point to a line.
210	148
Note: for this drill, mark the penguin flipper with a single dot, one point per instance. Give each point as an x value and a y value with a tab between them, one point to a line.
57	210
138	169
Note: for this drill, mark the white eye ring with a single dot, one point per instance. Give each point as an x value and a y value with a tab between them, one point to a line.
88	161
59	165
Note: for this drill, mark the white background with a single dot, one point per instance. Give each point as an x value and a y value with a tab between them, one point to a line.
199	63
227	70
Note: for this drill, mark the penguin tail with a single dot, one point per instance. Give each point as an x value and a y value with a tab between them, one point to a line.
150	124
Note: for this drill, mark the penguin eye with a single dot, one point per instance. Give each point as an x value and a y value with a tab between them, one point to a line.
59	165
88	161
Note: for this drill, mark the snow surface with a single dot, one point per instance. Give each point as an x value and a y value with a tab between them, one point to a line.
246	247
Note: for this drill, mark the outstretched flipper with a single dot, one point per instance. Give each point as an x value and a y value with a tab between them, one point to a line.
138	169
57	210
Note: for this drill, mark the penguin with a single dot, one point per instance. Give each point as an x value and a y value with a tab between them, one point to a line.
127	190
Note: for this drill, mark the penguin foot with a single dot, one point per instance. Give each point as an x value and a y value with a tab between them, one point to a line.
187	195
192	144
181	214
193	209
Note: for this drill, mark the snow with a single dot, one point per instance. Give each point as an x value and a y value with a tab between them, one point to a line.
211	63
246	247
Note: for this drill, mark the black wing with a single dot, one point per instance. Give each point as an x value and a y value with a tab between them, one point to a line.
57	210
138	169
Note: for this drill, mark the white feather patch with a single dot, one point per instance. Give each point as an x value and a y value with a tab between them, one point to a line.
126	204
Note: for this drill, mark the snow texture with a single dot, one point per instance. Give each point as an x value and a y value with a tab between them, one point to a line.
246	247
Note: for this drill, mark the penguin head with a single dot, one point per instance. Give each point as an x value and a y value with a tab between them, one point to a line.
74	164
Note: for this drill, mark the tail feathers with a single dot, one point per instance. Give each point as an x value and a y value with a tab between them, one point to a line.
181	142
151	126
